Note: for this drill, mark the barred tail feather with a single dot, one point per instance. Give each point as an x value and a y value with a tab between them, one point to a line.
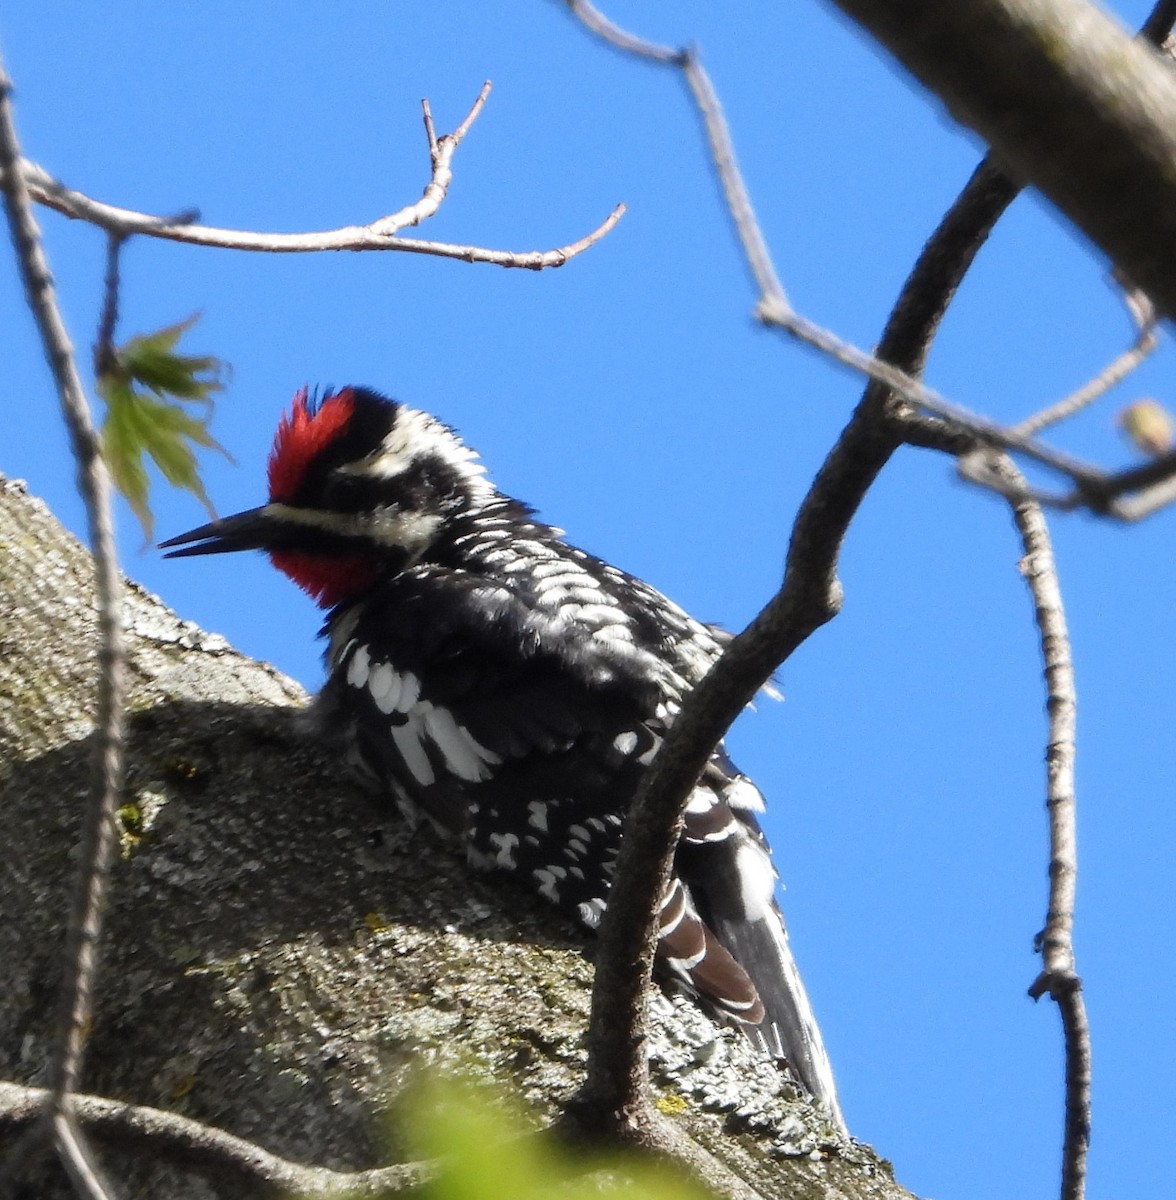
724	861
789	1029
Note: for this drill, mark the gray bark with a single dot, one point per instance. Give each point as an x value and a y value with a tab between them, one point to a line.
281	953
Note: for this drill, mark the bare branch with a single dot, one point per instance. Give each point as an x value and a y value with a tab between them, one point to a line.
104	352
475	111
594	20
430	130
1149	487
211	1150
1058	976
1144	318
1068	99
441	152
84	1172
1146	501
914	392
718	136
97	837
774	310
381	234
1095	489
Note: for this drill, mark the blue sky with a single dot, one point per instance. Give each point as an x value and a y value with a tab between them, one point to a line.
631	398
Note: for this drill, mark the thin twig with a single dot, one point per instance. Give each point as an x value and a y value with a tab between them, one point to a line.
1146	501
722	148
430	130
208	1149
381	234
709	108
596	22
475	111
1058	976
912	390
1110	376
70	203
441	152
1143	316
1148	487
104	352
78	1159
97	835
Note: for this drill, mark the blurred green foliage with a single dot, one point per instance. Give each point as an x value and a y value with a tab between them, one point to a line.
485	1150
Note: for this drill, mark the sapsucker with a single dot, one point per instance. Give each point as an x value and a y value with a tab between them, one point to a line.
514	689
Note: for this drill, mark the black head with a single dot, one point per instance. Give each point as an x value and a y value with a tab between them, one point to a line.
359	485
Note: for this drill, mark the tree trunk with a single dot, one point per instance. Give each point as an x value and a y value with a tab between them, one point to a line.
281	953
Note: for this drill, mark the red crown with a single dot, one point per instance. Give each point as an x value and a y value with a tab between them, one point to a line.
302	434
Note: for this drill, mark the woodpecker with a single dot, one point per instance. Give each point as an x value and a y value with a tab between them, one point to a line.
513	689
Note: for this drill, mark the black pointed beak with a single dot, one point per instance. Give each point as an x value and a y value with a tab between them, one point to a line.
256	529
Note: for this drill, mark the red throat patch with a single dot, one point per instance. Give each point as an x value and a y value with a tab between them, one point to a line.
327	579
301	435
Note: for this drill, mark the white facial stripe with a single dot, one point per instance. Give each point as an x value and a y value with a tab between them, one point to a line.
315	518
409	531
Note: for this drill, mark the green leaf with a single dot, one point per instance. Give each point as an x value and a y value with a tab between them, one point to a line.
119	448
145	387
486	1151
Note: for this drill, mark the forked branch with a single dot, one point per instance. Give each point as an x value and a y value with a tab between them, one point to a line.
380	234
1108	494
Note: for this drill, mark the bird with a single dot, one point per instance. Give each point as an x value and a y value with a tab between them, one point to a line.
513	689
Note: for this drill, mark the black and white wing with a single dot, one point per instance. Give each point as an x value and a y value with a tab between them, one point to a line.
518	732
